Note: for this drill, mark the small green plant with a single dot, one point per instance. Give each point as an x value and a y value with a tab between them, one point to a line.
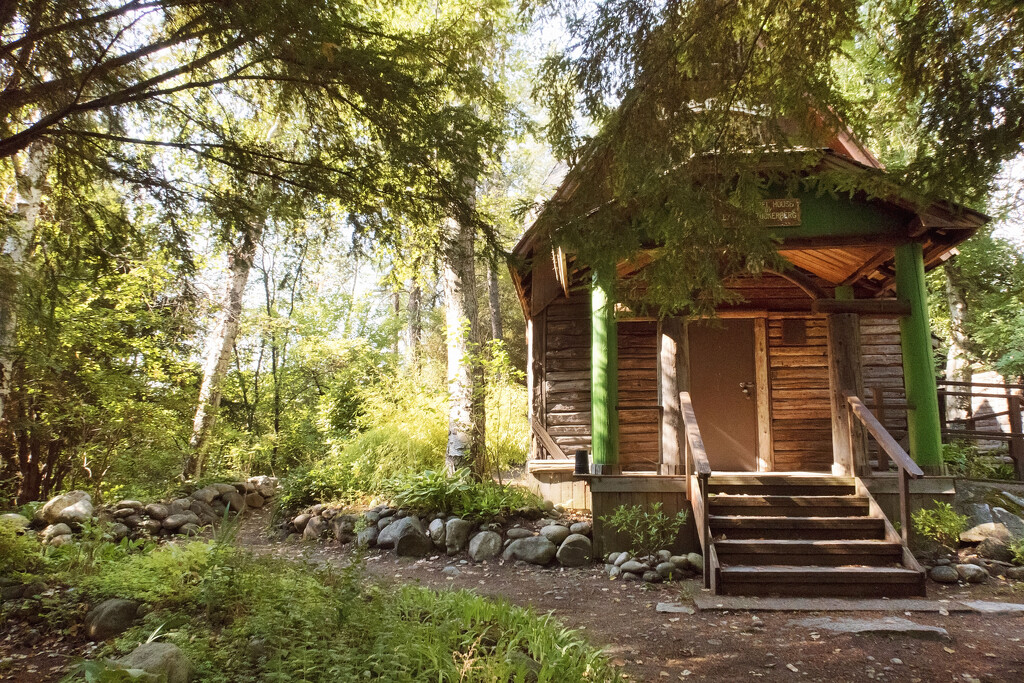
649	529
1017	551
18	552
941	524
460	494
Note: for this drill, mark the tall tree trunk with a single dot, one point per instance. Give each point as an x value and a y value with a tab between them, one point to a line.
219	345
414	328
958	367
465	370
494	299
30	178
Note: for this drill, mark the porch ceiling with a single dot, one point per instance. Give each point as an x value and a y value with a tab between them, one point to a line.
838	266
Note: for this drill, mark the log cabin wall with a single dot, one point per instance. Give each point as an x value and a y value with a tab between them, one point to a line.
639	409
882	368
564	401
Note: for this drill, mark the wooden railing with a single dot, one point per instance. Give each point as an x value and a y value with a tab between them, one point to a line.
967	427
907	469
698	471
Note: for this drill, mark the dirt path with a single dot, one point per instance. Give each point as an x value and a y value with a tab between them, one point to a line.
722	646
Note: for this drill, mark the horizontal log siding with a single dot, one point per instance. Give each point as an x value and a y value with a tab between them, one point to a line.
639	417
882	366
801	415
567	372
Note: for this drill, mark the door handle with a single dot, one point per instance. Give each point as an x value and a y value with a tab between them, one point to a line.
746	387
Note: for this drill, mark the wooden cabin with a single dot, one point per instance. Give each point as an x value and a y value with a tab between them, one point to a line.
768	423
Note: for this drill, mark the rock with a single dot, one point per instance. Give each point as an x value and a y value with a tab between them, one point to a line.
613	571
518	532
384	522
110	618
265	486
484	545
409	538
886	626
121	513
980	523
576	550
15	520
372	516
128	503
972	573
630	576
151	526
696	561
315	528
634	567
300	521
674	608
437	533
663	556
1014	524
583	528
943	574
223	489
681	562
344	527
173	522
58	541
254	500
1015	573
451	571
1015	499
651	577
180	505
995	549
234	501
205	512
367	538
457	532
621	559
205	494
668	571
556	533
55	506
611	557
117	531
189	529
54	530
533	550
389	534
157	511
76	513
164	660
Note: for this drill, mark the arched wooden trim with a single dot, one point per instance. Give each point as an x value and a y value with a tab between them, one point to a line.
806	284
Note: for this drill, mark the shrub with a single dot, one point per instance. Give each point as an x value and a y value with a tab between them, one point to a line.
1017	550
941	524
460	494
648	528
19	553
963	459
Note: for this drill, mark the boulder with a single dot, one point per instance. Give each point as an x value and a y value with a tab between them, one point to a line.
1015	573
300	522
157	511
234	501
372	516
151	526
117	531
314	529
179	505
223	488
651	577
265	486
456	534
384	522
663	556
943	574
205	512
15	520
58	541
189	530
696	561
634	567
533	550
344	527
51	512
556	533
621	559
173	522
451	571
367	538
613	571
437	533
254	500
1014	524
54	530
110	618
121	513
681	562
484	546
76	513
518	532
576	550
388	536
164	660
995	549
583	528
205	494
630	576
411	540
980	524
133	504
668	571
972	573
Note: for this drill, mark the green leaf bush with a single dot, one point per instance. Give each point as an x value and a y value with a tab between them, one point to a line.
459	494
649	529
940	523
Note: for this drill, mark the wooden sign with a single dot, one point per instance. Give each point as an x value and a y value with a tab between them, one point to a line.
778	213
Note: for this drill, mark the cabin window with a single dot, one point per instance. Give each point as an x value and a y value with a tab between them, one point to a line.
794	331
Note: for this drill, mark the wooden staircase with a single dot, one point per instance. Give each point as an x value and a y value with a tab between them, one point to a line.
803	534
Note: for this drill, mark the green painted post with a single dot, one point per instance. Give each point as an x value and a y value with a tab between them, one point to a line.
918	364
604	375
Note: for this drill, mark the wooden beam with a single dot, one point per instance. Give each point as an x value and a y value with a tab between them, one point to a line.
880	257
671	417
762	389
804	282
549	444
839	241
878	307
849	445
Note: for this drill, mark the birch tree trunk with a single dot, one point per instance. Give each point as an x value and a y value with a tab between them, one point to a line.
414	328
465	370
219	346
958	367
494	300
30	179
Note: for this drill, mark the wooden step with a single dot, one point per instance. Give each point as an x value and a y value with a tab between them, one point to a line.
814	581
809	553
781	483
788	506
797	528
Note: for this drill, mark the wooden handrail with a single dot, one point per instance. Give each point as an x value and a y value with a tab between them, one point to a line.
697	467
907	469
987	385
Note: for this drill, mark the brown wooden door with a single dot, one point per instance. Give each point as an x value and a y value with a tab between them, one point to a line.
722	376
